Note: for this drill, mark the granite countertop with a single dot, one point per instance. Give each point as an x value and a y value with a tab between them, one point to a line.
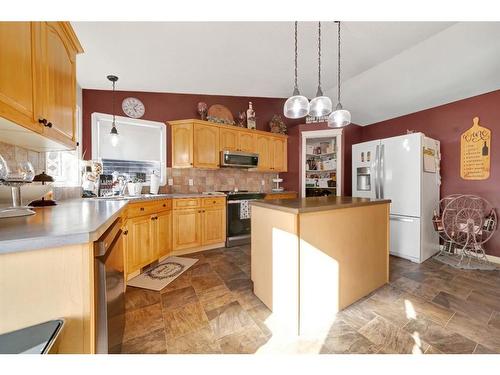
281	192
155	197
70	222
315	204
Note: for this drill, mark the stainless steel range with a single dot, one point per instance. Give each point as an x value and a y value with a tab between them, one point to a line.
238	216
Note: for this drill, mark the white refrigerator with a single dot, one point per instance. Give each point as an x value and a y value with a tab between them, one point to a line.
404	169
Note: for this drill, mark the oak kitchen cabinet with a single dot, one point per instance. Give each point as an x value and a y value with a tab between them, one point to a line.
38	78
147	233
197	144
198	223
154	230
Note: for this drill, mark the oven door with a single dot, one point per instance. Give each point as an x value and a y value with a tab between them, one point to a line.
238	225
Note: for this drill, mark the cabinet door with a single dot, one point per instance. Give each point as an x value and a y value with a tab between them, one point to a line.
182	146
214	225
164	224
228	140
139	243
246	141
18	73
59	82
206	146
278	155
264	150
186	229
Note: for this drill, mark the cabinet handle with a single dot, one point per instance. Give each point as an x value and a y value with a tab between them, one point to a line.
164	205
142	208
42	121
125	232
49	125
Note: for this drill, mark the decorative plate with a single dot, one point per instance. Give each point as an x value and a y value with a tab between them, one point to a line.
220	111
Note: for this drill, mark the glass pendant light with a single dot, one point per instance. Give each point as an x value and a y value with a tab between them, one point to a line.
340	117
321	105
297	105
114	132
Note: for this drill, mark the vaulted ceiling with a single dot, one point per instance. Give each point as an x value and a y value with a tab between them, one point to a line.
388	68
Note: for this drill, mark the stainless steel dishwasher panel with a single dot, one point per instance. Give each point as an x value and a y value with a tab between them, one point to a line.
110	290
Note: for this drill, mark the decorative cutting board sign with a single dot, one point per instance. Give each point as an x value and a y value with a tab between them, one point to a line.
475	149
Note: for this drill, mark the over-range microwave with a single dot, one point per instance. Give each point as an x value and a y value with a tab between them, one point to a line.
239	159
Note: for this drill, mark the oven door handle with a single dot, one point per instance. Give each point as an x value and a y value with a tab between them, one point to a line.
241	200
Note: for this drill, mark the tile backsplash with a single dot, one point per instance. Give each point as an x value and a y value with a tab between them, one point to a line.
216	180
15	154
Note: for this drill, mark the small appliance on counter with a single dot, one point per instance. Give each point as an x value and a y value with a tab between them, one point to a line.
43	178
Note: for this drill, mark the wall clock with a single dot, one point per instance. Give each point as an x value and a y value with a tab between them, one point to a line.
133	107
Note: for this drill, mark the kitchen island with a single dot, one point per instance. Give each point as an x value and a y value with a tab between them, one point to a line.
312	257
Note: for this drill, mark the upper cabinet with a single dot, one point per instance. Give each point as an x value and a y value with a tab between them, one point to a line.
59	81
19	63
38	78
206	146
197	144
182	145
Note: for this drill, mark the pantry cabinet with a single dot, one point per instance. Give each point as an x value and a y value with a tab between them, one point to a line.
38	78
197	144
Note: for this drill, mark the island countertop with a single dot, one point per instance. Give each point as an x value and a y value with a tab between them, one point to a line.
315	204
70	222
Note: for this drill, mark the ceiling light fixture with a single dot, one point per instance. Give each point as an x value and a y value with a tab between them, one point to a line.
321	105
297	105
114	132
340	117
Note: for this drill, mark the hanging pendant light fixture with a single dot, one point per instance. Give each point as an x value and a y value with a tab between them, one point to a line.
297	105
340	117
321	105
114	132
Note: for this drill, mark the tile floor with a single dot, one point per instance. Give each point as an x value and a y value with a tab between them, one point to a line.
428	308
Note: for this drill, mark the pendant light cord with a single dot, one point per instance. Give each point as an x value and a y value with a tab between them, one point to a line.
296	84
338	64
319	54
113	103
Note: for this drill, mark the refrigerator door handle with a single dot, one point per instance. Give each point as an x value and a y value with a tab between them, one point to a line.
403	219
375	170
382	172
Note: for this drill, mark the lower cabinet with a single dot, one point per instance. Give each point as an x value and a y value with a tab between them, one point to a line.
186	228
201	226
164	228
152	230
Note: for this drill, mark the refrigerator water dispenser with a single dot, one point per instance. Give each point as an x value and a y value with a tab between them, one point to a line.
363	179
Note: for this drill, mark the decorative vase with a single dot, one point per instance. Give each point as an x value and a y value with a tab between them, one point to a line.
202	110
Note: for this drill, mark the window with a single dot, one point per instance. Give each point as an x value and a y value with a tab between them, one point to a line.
64	166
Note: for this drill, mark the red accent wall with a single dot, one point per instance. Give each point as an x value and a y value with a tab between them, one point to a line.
446	123
164	107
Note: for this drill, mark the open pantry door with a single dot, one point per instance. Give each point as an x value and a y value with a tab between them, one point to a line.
321	163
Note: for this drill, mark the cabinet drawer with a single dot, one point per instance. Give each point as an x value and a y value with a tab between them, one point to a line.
163	205
211	202
291	195
142	208
186	203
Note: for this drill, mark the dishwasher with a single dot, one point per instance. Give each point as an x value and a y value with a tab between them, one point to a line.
109	290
